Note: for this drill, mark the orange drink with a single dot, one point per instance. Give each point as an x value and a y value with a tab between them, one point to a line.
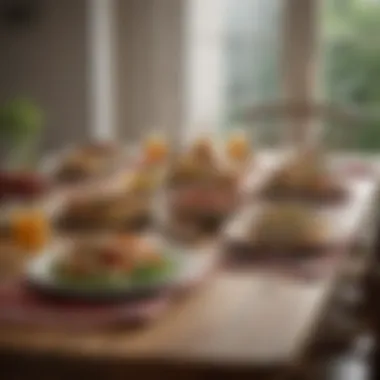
238	147
30	229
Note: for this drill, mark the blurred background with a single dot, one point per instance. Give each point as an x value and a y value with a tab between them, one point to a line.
75	70
122	67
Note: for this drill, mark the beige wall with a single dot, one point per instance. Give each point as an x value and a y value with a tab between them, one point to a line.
47	62
50	62
150	34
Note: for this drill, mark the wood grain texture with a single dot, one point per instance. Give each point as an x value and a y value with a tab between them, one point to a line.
236	319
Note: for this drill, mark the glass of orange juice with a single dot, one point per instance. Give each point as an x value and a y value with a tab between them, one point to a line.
30	229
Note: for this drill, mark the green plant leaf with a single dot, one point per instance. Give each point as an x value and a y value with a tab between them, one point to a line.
20	119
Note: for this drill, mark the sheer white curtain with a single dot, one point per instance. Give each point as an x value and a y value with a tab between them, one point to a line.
252	53
102	68
232	60
204	66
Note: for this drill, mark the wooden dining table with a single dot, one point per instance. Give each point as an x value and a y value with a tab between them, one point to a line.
251	322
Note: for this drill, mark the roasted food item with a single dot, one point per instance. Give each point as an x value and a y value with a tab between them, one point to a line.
128	211
287	226
204	186
203	190
190	172
203	163
197	165
307	177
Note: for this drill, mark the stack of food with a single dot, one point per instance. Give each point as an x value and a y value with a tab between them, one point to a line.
124	209
289	226
284	229
205	163
204	185
307	177
107	224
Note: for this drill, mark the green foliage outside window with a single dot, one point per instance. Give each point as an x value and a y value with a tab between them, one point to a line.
21	123
352	67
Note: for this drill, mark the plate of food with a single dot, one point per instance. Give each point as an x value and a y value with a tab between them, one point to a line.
105	268
307	177
284	229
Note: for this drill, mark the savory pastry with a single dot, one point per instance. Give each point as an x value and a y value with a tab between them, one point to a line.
204	163
128	211
203	188
186	171
106	261
306	177
202	151
195	165
287	226
201	165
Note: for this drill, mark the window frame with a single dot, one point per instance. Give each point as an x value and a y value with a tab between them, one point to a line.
299	63
178	114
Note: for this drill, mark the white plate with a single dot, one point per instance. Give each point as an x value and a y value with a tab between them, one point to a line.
187	268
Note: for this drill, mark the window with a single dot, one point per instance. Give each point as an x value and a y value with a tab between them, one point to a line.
263	51
351	54
235	55
252	54
230	55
